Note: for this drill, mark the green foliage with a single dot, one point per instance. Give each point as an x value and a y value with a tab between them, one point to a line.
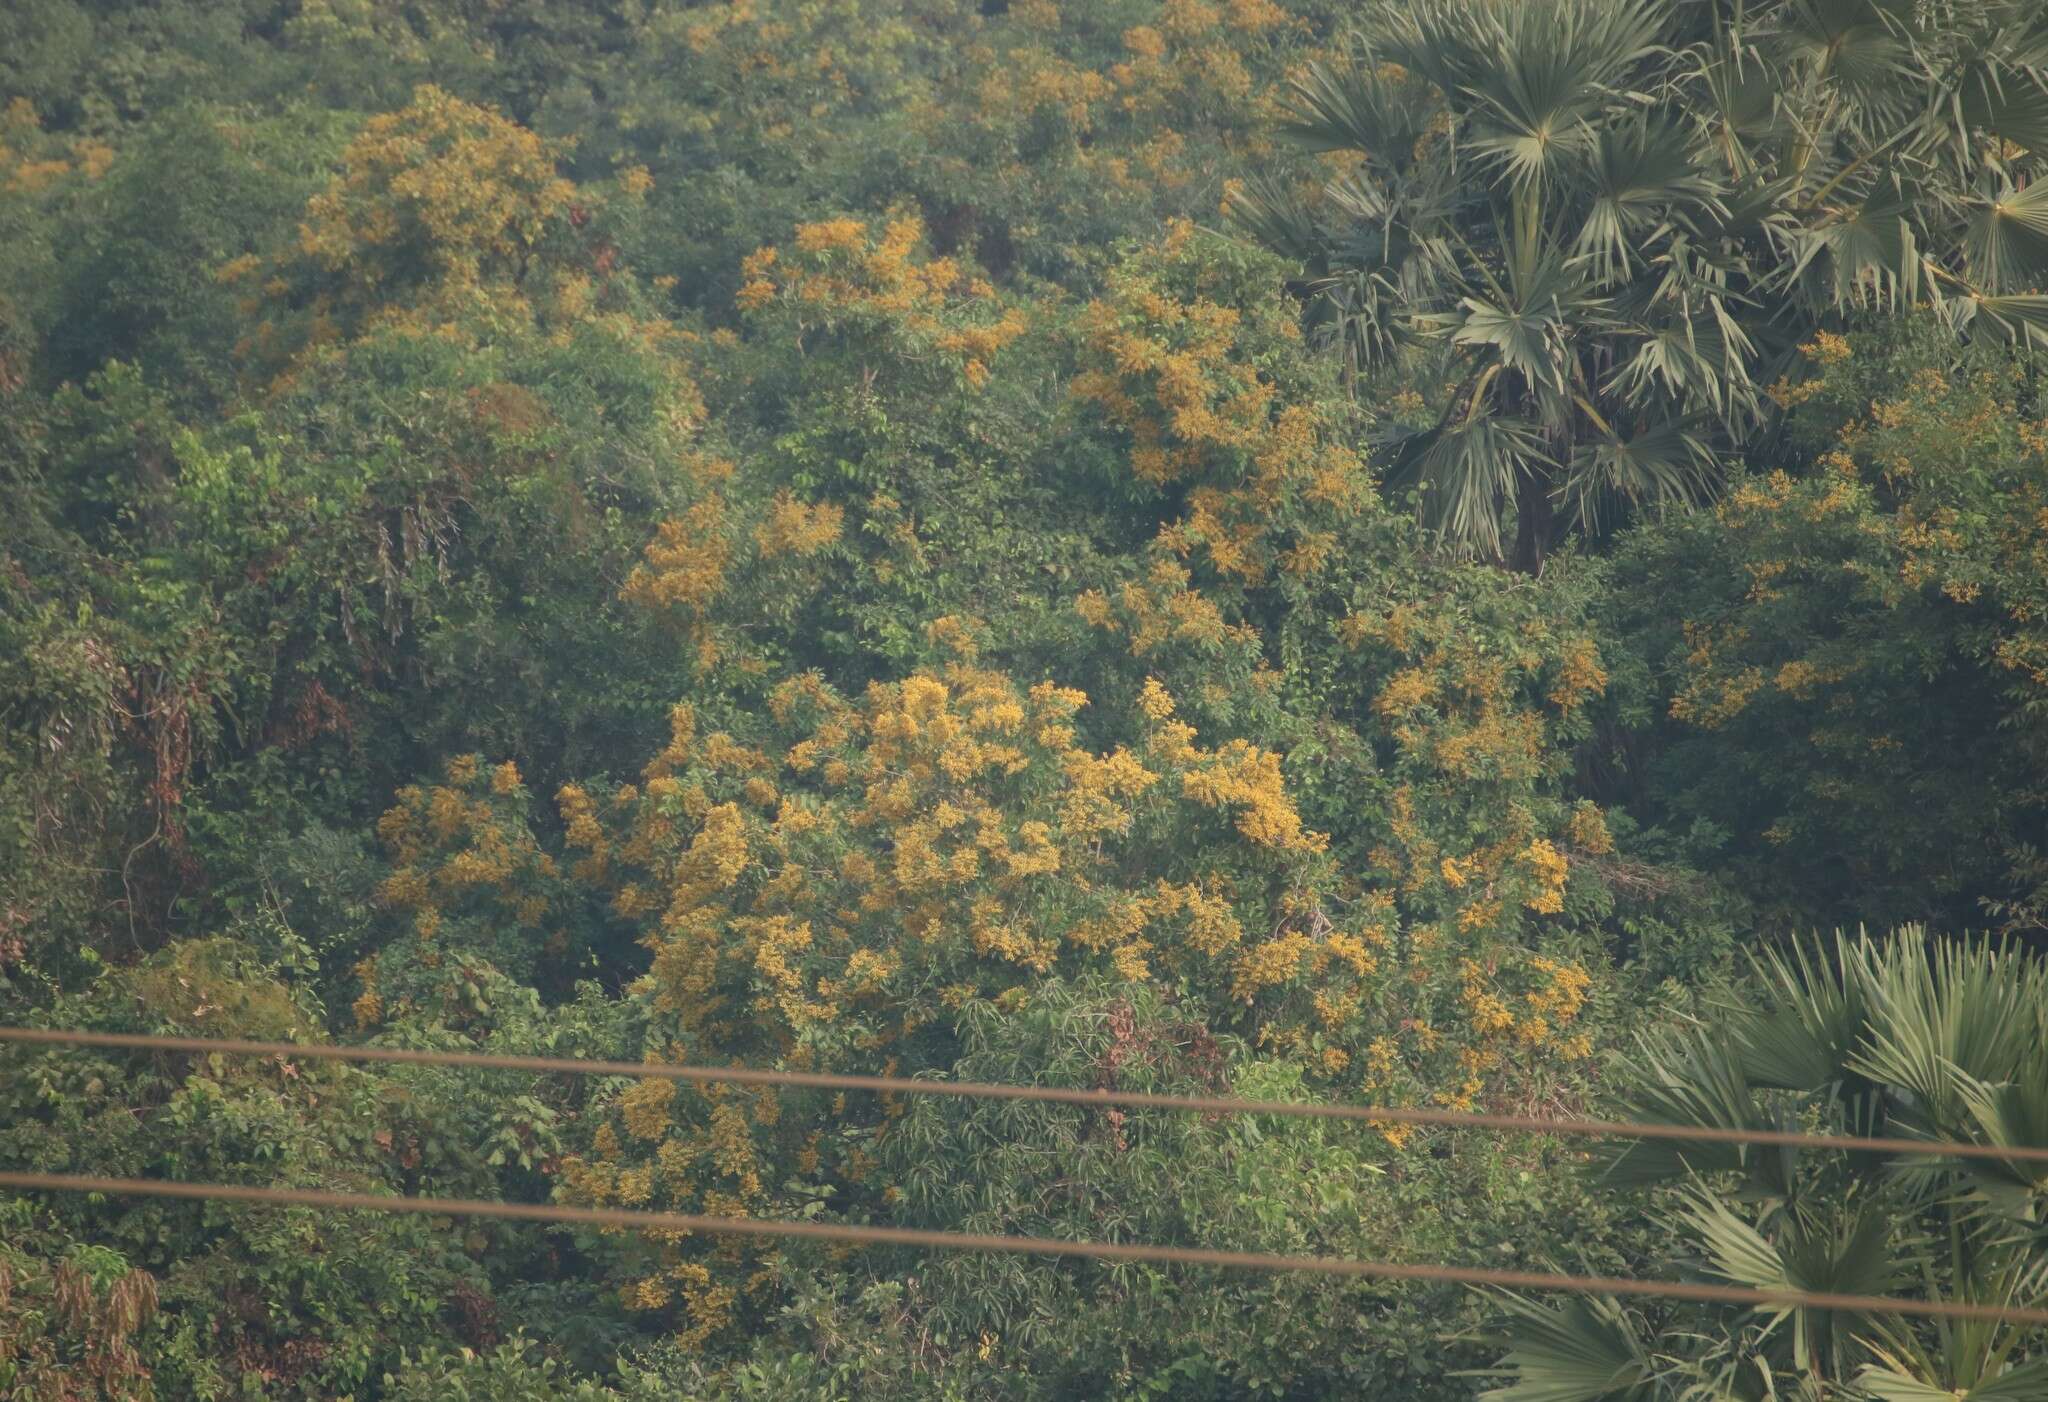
70	1319
276	1295
965	1325
1844	653
1897	1038
1581	209
510	1372
144	243
771	532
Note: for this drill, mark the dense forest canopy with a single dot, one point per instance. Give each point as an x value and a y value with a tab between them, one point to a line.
1458	554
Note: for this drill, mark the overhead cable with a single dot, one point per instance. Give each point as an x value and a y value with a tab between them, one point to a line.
905	1085
677	1222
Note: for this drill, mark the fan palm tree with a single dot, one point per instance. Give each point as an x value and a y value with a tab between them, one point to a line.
1895	1039
1612	221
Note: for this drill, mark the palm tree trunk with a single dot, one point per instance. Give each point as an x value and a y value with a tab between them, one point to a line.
1534	523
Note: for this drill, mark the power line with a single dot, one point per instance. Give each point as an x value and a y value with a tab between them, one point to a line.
1022	1245
904	1085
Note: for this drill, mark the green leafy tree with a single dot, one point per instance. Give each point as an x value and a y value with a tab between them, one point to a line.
70	1320
990	1325
1835	677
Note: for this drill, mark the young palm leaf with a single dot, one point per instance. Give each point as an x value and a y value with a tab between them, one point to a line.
1583	1350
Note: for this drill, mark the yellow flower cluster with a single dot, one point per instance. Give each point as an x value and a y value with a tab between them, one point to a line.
368	1007
1479	712
1177	374
1712	695
1896	510
1192	58
462	847
1458	706
1579	676
1588	830
685	569
794	528
958	635
1553	997
813	893
441	184
1549	868
24	171
1246	778
448	220
847	275
1828	348
916	830
1027	81
1163	607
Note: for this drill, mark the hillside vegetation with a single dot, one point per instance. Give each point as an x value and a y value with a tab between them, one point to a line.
1464	554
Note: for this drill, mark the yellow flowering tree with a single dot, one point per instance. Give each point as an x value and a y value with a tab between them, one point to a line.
832	883
1064	115
469	885
445	218
831	892
830	888
876	287
1432	720
1238	476
1453	720
33	162
886	450
1196	366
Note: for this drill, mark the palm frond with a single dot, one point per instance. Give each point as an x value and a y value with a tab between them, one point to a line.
1664	464
1276	216
1554	65
1865	253
2016	316
2005	241
2026	1383
1636	210
1695	359
1584	1350
1683	1079
2003	102
1888	1385
1815	1015
1855	42
1640	177
1358	104
1735	1250
1966	1358
1468	470
2013	1115
1529	339
1941	1020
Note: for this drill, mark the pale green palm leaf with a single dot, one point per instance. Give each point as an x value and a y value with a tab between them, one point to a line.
2020	316
1466	469
2013	1115
1665	463
1683	1079
2005	240
1356	105
1640	178
1583	1350
1813	1019
1969	1013
1857	42
1554	62
1966	1358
